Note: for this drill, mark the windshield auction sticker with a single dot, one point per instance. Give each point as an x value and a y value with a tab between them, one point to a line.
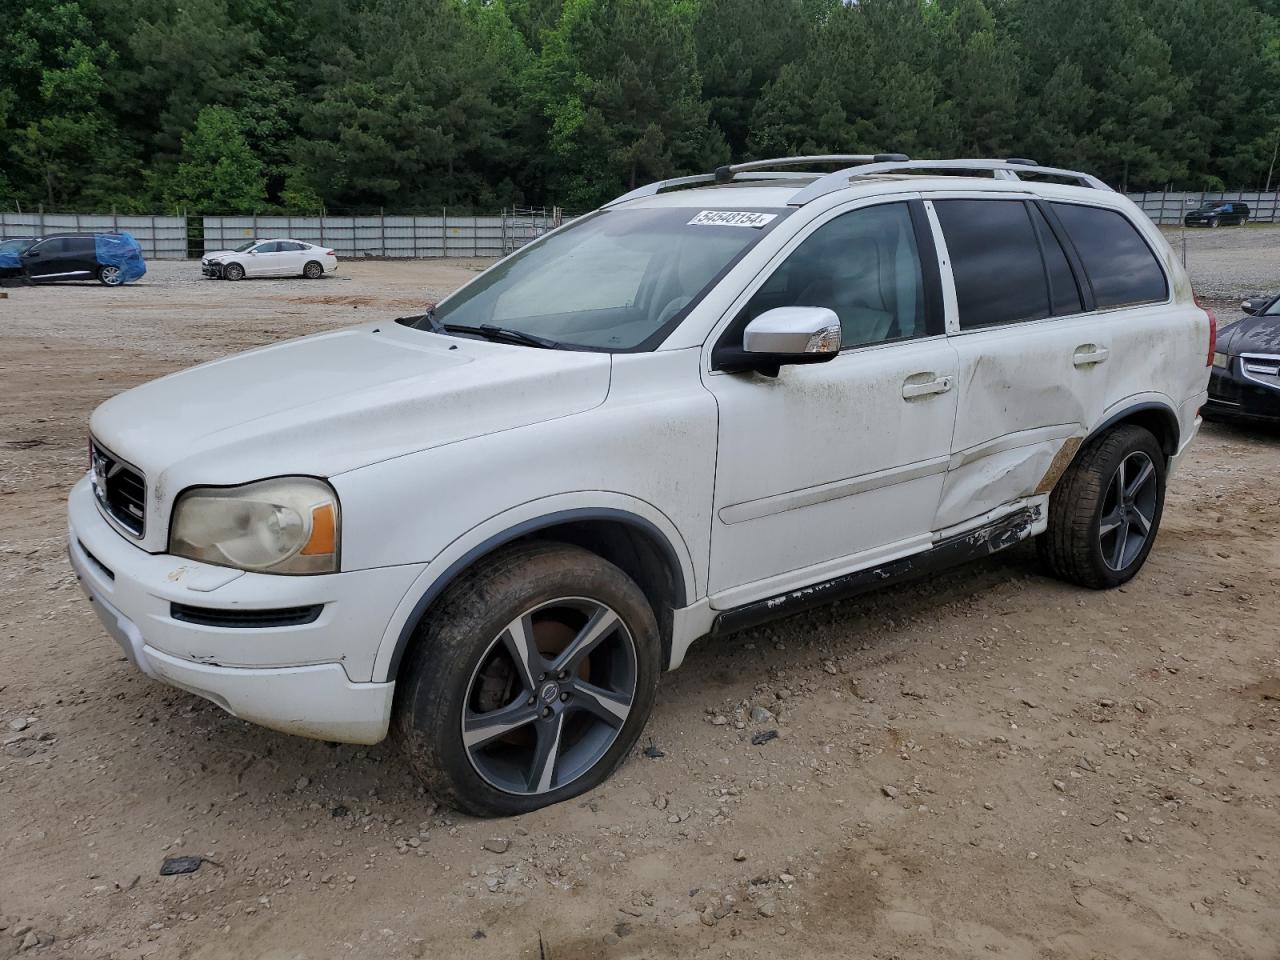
731	218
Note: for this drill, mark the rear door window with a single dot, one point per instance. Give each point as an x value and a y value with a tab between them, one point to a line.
1000	276
1064	293
1122	268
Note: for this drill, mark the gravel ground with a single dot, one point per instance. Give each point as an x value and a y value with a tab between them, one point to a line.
989	763
1230	263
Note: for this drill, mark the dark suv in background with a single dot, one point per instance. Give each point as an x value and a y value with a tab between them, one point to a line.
66	256
1218	212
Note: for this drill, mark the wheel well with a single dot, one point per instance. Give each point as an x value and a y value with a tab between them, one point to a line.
637	554
631	544
1155	418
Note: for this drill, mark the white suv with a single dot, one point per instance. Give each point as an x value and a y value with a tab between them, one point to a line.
717	400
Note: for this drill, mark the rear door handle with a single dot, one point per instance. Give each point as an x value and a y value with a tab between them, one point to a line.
1088	354
916	386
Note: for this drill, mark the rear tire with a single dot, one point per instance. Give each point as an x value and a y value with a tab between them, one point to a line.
1105	512
233	271
109	276
579	699
1213	221
313	270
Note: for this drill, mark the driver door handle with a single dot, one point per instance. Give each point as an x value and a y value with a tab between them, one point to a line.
1088	354
915	386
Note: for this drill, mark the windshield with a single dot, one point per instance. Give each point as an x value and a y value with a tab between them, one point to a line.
1273	310
613	280
245	246
14	246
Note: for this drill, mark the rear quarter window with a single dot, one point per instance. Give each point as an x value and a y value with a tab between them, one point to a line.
1121	267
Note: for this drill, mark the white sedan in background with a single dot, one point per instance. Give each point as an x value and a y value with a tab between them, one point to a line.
270	258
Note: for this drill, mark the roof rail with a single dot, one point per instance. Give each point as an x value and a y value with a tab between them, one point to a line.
750	171
864	164
1000	169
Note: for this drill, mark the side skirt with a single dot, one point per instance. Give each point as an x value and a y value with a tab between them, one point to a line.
963	547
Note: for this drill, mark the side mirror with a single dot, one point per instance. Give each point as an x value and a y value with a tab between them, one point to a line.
781	336
1254	305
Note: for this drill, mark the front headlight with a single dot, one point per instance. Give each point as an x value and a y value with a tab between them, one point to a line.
1221	360
285	525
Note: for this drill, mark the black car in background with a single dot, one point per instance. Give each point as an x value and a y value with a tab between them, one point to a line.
1244	383
11	256
1218	212
79	256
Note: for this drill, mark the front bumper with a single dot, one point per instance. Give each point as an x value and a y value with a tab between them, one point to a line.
213	270
1234	396
309	679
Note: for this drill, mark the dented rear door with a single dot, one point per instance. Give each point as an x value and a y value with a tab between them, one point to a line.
1033	370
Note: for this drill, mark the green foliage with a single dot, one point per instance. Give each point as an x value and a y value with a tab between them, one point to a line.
356	105
217	171
618	84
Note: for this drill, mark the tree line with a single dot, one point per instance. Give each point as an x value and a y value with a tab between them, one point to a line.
255	106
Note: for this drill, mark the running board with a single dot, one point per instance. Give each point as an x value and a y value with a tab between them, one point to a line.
971	545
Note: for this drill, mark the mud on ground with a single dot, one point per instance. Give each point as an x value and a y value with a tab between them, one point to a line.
990	763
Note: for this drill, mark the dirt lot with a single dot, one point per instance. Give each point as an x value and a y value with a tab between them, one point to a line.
987	764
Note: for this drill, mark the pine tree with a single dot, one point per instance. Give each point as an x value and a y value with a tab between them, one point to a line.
217	172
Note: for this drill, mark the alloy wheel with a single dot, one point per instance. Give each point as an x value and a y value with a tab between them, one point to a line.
110	275
549	696
1128	511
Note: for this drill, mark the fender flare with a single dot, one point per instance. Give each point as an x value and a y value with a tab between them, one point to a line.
1127	409
437	579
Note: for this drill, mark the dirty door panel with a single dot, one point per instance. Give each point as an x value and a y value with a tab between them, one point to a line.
835	463
1031	378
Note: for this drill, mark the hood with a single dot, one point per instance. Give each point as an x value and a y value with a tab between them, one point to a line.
338	401
219	254
1251	335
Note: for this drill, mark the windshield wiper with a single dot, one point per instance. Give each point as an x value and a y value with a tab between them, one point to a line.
499	334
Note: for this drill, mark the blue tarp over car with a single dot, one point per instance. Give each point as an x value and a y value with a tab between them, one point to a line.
9	258
121	250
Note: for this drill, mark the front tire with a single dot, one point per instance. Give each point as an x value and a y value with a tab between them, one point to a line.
313	270
233	271
528	681
110	276
1213	221
1105	512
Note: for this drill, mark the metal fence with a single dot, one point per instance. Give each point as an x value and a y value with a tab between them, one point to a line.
178	238
390	235
161	238
1168	208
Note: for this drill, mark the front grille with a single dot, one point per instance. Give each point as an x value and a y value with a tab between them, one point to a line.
278	617
120	489
1263	368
